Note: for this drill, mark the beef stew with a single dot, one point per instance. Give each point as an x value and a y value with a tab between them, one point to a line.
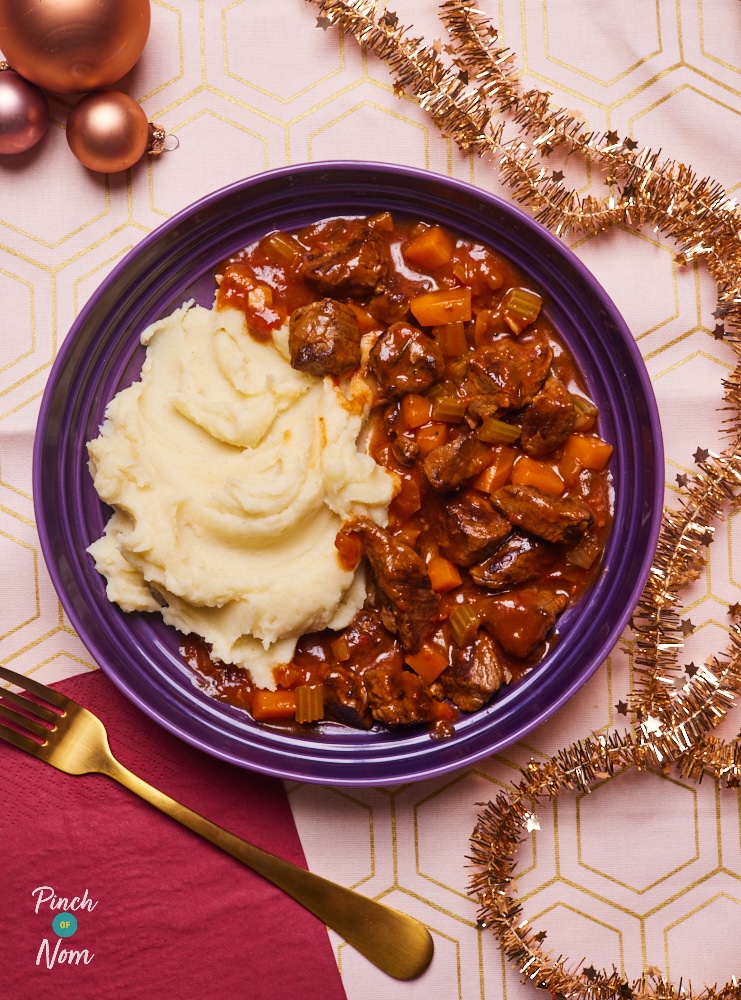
504	504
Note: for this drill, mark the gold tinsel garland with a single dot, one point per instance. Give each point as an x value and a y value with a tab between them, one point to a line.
671	727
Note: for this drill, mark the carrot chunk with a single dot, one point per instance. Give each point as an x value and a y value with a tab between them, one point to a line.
431	249
443	574
267	705
498	473
590	452
446	305
452	339
408	500
428	663
531	472
430	436
415	410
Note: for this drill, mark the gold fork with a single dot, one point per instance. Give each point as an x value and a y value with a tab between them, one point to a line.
72	739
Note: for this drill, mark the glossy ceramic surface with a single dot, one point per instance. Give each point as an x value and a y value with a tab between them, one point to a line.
176	262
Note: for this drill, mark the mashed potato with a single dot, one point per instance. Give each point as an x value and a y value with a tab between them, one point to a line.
230	475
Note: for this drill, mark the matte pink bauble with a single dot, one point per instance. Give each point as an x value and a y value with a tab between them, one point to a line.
69	46
108	131
24	113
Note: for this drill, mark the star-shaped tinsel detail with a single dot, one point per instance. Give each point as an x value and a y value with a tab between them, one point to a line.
681	480
690	669
734	610
323	23
463	76
631	144
590	972
701	455
613	137
622	708
629	191
687	627
389	19
437	46
653	726
557	176
398	89
540	936
625	991
719	332
546	149
531	822
708	536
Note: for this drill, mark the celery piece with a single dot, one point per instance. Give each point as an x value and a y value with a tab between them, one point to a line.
464	624
458	370
584	554
520	307
309	703
340	648
494	431
586	412
449	409
283	246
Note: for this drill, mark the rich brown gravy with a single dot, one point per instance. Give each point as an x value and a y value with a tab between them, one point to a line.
265	282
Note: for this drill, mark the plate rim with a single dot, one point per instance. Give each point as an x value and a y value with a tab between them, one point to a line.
290	177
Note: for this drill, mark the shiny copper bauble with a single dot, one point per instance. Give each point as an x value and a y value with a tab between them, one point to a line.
108	131
69	46
24	113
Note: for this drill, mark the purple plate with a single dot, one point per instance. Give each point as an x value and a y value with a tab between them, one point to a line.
102	355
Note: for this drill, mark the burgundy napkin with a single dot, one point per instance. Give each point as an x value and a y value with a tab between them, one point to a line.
160	912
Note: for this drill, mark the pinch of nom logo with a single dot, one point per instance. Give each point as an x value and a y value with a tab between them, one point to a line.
64	924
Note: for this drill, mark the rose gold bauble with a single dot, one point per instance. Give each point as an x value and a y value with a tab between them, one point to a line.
24	113
68	46
108	131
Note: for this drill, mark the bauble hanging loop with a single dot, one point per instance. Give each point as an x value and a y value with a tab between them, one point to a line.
71	46
108	132
24	112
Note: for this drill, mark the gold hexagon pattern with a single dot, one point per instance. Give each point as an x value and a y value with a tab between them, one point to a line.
645	870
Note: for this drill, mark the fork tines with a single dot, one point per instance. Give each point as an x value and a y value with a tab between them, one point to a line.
36	719
41	691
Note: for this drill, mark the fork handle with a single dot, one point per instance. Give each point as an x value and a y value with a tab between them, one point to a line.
398	944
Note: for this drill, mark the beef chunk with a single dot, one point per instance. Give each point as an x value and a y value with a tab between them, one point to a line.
548	420
345	697
324	338
521	620
409	605
475	674
354	267
405	450
506	375
398	697
371	644
552	518
468	528
519	559
455	464
390	306
481	407
404	359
